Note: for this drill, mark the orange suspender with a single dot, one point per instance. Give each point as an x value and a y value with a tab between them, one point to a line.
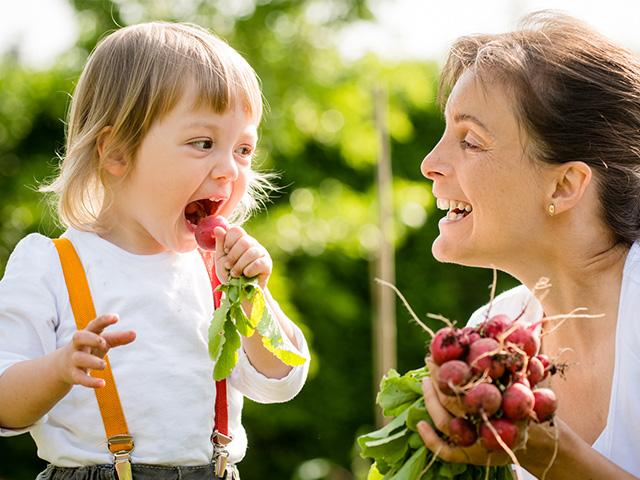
119	439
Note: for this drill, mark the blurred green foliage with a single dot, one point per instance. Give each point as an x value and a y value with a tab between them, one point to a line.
318	134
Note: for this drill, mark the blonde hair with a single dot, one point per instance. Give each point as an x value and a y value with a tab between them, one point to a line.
133	77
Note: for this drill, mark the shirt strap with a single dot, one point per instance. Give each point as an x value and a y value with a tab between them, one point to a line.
221	431
119	440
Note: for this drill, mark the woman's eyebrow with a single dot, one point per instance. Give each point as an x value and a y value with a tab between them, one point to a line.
465	117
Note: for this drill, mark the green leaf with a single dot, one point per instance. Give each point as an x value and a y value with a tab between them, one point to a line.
270	331
374	473
417	413
229	355
413	467
236	291
216	329
243	323
397	423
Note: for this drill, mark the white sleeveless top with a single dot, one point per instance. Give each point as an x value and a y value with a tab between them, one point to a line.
620	439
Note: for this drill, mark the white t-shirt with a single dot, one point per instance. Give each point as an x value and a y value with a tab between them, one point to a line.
620	439
164	378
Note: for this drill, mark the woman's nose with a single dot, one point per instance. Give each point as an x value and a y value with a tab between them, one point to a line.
433	166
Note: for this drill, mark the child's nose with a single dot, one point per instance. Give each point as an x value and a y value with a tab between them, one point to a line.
225	168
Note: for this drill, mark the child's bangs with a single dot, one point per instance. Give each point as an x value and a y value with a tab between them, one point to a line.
221	89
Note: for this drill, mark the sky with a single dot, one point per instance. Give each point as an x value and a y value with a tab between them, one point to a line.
41	29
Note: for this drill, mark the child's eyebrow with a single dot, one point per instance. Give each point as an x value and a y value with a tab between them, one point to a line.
202	123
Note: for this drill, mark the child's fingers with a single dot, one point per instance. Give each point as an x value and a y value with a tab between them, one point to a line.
87	361
98	324
259	267
234	235
86	341
248	257
117	339
81	377
220	234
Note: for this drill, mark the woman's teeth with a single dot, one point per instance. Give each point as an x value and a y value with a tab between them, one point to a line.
455	208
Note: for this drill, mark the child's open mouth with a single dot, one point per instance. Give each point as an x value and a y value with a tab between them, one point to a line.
199	209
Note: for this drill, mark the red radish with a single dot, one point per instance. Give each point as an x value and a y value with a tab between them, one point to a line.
452	374
517	402
495	326
526	339
445	346
545	403
484	397
521	379
204	231
462	432
468	335
535	371
505	428
514	361
480	358
546	364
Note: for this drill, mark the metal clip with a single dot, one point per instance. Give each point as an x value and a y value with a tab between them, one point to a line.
123	465
220	452
221	459
122	458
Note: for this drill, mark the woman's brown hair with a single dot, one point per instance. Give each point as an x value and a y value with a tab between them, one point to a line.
577	96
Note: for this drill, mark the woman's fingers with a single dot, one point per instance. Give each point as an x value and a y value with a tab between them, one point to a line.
439	414
437	445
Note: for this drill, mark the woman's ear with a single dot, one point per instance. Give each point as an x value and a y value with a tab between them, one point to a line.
571	182
111	160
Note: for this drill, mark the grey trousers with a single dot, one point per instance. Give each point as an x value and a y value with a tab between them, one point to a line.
140	472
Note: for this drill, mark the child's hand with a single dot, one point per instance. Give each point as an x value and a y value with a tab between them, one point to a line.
238	253
87	350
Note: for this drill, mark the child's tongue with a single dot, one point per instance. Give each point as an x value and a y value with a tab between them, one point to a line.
204	231
195	212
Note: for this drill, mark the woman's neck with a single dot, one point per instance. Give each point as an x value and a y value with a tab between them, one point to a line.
589	277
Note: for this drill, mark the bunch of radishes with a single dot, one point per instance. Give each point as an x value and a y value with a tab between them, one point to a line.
493	369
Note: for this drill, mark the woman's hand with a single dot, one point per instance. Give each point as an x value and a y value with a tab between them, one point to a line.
238	253
87	349
440	407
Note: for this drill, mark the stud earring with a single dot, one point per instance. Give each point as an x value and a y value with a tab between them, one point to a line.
551	209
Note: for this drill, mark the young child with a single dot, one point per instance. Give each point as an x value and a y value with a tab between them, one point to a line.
162	130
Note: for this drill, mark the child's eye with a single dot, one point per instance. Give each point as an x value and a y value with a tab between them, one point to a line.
203	144
245	151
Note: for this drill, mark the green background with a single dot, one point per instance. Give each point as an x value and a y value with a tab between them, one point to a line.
318	134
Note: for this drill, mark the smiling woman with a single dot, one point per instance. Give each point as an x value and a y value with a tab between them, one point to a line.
539	170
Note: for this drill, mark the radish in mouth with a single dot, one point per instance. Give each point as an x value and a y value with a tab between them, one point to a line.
201	215
204	231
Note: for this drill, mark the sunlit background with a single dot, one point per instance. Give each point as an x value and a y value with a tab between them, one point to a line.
320	63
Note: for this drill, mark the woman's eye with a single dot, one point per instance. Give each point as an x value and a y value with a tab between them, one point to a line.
466	145
203	144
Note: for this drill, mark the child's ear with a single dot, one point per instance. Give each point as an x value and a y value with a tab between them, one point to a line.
571	183
110	159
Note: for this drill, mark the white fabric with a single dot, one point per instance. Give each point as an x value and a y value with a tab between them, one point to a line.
164	377
620	439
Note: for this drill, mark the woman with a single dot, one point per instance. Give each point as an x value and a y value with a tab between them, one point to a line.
539	169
